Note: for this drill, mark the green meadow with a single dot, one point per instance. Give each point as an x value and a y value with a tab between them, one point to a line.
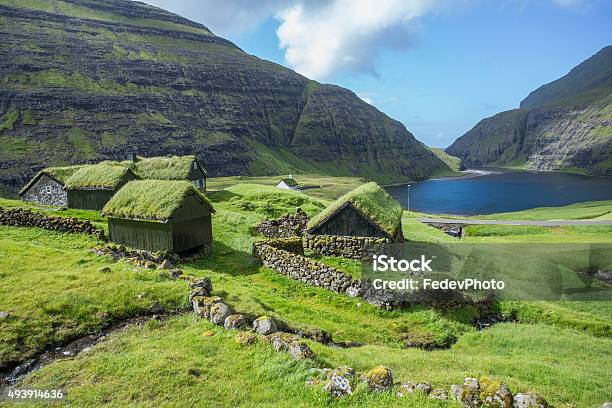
55	289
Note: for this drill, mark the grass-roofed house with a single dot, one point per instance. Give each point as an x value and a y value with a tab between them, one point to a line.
172	168
367	211
288	183
160	215
47	187
92	186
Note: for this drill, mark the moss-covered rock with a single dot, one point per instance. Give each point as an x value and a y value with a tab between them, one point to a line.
219	312
379	378
246	338
264	325
494	393
236	321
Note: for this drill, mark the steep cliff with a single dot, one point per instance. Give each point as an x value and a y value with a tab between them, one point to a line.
86	80
564	125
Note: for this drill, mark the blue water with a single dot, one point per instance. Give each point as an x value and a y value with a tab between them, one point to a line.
501	191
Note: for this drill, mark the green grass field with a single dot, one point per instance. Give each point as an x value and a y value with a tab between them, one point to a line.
53	289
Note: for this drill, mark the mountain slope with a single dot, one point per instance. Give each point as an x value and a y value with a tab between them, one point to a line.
564	125
86	80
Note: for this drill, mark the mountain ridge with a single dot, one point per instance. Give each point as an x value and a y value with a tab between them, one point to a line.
565	125
86	81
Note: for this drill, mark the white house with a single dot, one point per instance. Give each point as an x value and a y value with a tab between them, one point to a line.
288	183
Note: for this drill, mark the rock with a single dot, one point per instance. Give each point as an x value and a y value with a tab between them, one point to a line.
494	393
337	386
410	388
467	394
529	400
379	378
219	312
353	291
175	273
156	308
104	269
166	264
4	315
264	325
343	371
606	405
203	284
246	338
236	321
150	265
281	341
300	351
201	305
439	394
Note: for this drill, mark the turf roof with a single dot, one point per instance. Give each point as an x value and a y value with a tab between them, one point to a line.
103	175
61	174
165	168
372	201
154	200
289	181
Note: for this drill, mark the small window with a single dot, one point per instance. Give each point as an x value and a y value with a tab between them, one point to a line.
48	190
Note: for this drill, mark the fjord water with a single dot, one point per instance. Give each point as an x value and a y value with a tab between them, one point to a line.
488	192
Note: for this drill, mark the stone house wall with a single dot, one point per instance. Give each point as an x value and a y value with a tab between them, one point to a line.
343	246
47	191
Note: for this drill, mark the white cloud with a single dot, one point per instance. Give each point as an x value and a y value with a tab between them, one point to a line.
345	35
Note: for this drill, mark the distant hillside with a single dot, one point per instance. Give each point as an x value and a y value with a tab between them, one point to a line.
454	163
86	80
565	125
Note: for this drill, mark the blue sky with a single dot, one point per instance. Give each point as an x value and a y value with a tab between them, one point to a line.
438	66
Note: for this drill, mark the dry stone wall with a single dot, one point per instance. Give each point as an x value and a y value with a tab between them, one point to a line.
343	246
20	217
304	269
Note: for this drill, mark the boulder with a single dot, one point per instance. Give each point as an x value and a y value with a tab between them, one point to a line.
264	325
236	321
439	394
4	315
301	351
104	269
337	386
281	341
468	394
494	393
203	283
379	378
410	388
175	273
218	313
606	405
529	400
166	264
202	305
246	338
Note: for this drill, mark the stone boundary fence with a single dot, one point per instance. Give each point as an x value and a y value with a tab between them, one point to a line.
19	217
285	256
343	246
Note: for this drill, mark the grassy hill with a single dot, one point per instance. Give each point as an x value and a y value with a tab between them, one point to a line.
86	80
563	125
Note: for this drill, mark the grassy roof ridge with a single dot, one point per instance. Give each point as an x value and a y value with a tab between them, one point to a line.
153	200
102	175
289	181
165	167
60	173
373	201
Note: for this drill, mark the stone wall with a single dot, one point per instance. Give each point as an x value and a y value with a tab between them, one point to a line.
20	217
288	225
47	191
343	246
304	269
292	244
